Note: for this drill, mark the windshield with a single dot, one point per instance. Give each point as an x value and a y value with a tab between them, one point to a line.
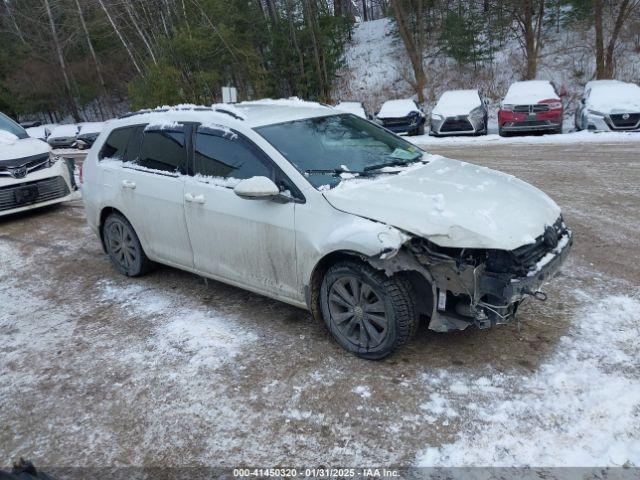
326	149
10	126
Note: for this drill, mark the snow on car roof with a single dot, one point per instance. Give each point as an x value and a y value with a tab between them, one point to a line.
457	102
91	127
397	108
64	131
529	91
612	96
254	113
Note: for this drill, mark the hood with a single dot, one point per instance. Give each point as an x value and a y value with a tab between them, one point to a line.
621	98
397	109
12	147
457	102
452	203
529	92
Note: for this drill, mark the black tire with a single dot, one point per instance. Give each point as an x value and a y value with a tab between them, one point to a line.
123	246
384	304
502	133
420	130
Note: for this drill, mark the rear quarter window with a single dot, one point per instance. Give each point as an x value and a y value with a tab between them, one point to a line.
116	144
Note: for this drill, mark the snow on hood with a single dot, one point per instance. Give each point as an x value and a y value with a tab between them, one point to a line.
452	203
64	131
91	127
12	147
352	107
457	102
529	92
397	108
615	98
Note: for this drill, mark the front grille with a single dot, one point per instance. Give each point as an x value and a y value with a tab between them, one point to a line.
456	125
531	123
541	107
390	122
523	259
31	164
619	122
535	108
29	193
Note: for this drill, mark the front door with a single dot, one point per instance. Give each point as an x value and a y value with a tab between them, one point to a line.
248	242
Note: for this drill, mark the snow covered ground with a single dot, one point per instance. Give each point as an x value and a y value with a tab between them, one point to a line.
166	370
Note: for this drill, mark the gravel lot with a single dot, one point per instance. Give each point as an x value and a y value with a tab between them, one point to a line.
166	370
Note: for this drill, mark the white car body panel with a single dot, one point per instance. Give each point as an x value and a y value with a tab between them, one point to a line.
603	98
12	147
453	204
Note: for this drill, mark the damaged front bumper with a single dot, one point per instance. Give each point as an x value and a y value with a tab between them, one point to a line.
481	287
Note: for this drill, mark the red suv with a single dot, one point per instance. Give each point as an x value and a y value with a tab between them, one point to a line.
531	106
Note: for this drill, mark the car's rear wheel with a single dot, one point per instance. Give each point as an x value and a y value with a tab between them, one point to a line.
123	246
367	312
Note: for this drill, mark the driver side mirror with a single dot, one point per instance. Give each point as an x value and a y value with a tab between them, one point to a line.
256	188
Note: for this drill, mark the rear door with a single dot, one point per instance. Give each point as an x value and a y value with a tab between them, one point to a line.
248	242
151	185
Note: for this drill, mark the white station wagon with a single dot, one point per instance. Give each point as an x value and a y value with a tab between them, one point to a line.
323	210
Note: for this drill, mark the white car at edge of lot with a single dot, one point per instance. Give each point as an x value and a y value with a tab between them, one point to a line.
325	211
63	136
30	177
609	105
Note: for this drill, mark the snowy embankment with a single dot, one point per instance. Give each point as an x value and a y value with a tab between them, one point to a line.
580	408
565	138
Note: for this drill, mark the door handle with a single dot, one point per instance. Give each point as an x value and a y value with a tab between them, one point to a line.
191	198
129	184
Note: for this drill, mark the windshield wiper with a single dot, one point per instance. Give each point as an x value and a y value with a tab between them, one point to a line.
395	163
334	171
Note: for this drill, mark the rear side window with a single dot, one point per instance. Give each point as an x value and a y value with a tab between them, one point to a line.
227	155
164	149
116	144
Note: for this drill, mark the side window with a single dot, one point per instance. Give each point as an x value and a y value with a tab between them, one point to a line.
163	149
226	155
116	144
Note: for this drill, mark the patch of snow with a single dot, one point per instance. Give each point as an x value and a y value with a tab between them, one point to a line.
397	108
228	182
362	391
7	138
352	107
61	131
617	97
580	408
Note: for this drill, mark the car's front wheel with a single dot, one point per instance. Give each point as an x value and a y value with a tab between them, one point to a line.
123	246
366	311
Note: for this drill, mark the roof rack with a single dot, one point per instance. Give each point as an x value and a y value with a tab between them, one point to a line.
194	108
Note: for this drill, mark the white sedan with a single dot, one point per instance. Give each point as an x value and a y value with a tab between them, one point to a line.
325	211
30	177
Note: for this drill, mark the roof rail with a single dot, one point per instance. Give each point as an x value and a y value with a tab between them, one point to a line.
194	108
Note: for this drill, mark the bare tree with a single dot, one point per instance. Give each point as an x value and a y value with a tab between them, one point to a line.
63	65
529	17
126	46
605	58
413	43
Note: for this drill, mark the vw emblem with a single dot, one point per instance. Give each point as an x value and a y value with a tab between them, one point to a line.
19	172
625	116
550	237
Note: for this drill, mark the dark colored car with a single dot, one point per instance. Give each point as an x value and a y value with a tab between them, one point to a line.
402	116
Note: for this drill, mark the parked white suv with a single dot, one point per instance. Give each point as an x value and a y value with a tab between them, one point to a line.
30	176
325	211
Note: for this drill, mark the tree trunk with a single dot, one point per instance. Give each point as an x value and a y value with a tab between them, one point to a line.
415	54
365	14
92	51
597	18
124	42
63	64
609	67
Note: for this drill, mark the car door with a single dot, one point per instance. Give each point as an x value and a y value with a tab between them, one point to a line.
250	243
152	188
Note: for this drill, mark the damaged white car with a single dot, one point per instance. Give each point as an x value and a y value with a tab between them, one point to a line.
30	176
325	211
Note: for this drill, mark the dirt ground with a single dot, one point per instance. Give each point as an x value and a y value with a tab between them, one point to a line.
165	370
